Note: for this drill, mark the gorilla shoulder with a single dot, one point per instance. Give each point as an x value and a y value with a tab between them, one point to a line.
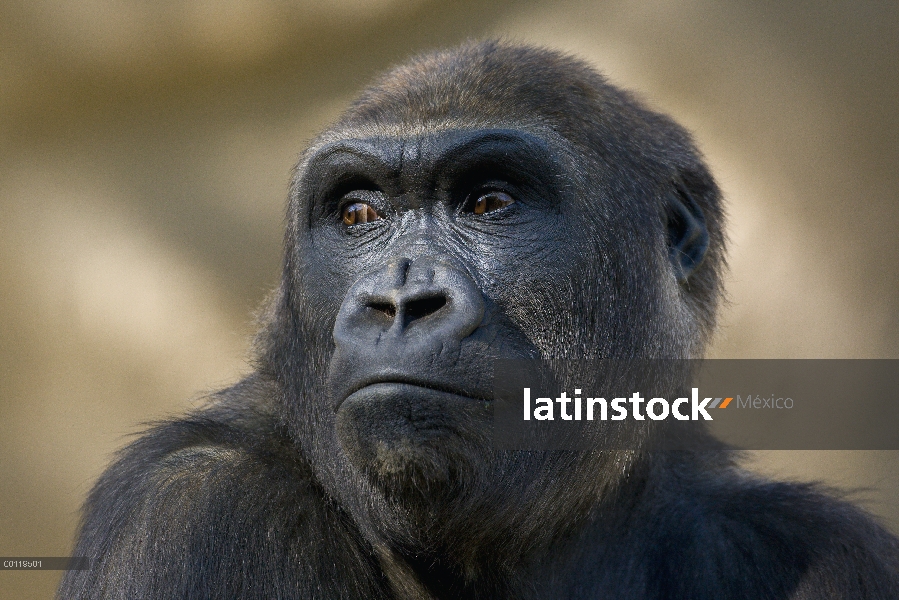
201	502
745	537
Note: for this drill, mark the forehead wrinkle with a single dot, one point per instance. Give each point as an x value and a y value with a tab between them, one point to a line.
534	124
362	147
542	134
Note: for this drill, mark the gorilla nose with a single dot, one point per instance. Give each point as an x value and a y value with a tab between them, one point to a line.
410	304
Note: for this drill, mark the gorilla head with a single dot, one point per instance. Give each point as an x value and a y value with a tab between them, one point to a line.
485	203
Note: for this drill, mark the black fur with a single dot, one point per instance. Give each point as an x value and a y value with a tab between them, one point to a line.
357	462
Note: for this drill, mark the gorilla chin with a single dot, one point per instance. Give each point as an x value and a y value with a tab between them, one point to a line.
408	437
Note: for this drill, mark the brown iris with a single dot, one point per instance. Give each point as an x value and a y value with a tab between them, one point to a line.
490	202
359	212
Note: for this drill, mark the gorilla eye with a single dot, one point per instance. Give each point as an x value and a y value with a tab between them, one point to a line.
490	202
359	212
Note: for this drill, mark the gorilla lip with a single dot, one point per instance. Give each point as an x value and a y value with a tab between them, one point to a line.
408	383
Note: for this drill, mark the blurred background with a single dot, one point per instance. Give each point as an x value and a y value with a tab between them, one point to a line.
146	147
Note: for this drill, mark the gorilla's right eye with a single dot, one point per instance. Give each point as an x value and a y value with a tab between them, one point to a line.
359	212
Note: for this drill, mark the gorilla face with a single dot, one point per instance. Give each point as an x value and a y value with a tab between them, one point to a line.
439	247
422	246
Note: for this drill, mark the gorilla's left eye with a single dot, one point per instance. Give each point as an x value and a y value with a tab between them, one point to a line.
359	212
489	202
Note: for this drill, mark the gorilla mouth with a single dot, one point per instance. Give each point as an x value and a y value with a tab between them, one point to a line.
395	425
408	387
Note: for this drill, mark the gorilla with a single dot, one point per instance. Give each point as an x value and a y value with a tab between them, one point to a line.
490	202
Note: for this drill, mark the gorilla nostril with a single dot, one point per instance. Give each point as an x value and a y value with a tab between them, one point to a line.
422	307
386	308
409	310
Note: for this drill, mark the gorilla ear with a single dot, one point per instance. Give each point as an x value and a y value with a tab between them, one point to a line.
688	238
